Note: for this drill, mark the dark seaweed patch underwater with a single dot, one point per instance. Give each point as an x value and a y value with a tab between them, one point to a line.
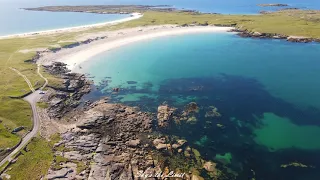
231	139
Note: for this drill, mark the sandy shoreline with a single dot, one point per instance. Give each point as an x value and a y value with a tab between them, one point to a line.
75	56
72	29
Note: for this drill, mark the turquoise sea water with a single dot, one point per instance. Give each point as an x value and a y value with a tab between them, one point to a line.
267	92
284	69
14	20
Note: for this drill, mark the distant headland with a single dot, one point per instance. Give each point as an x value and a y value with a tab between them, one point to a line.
272	5
107	9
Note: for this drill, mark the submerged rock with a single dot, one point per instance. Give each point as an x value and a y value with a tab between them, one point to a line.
191	108
213	112
192	120
210	166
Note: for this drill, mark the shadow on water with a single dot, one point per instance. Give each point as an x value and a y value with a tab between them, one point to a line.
241	102
240	97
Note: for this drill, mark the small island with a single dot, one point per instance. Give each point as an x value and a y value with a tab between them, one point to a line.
273	5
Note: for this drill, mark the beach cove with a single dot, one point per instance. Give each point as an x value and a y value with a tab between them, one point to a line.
189	97
196	64
116	39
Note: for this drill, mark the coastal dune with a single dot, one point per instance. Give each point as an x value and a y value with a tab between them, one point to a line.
75	56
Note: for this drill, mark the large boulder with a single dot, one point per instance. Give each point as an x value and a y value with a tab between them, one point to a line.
133	143
60	174
159	141
163	146
164	114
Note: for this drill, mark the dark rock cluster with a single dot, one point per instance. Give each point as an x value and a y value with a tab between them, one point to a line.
57	68
75	44
246	33
195	24
67	96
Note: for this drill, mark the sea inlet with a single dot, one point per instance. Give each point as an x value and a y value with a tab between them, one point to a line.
258	100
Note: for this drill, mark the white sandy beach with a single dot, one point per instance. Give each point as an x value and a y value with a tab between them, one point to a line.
73	29
75	56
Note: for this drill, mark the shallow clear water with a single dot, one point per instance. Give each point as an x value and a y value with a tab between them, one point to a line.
267	92
284	69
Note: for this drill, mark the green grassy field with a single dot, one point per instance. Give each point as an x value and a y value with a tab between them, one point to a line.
286	22
16	112
42	105
35	162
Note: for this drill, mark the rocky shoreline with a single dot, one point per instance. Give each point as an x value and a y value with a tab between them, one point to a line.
114	141
251	34
255	34
107	141
66	97
110	141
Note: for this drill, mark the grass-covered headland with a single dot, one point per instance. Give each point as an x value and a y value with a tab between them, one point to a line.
14	112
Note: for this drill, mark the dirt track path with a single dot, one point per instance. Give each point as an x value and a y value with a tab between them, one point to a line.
32	99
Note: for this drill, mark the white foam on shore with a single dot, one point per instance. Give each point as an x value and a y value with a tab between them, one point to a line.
76	28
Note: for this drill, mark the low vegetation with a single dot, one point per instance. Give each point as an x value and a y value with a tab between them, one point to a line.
80	166
15	112
58	159
33	162
42	105
287	22
7	139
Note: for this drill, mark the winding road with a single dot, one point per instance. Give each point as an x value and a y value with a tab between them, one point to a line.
32	99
